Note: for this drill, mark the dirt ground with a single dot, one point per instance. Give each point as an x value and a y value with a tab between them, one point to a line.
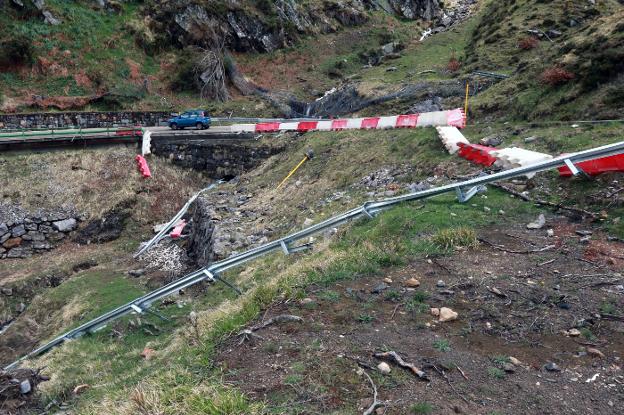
511	306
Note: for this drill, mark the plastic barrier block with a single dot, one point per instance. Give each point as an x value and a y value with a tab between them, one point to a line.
308	125
243	128
477	153
407	121
143	167
387	122
354	123
451	137
456	118
324	125
177	230
370	123
339	125
267	127
597	166
289	126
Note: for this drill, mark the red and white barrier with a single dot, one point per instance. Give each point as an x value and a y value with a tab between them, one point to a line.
451	137
177	230
455	118
143	167
595	167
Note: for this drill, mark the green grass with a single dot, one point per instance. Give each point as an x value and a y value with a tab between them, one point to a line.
449	239
442	345
421	408
496	373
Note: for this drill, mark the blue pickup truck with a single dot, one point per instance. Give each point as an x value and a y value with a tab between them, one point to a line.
191	118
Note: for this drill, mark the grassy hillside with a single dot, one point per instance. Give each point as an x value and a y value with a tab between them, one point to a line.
573	73
181	375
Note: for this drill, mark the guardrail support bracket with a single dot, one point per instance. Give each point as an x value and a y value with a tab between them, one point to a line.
284	247
464	196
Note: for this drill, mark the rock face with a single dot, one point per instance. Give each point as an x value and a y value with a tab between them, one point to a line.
416	9
265	26
200	245
107	228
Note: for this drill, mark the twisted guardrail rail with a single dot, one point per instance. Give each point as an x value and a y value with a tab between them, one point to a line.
464	190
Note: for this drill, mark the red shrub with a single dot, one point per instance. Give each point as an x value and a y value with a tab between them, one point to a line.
453	65
528	43
556	76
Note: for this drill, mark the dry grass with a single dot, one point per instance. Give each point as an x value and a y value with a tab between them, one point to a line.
94	180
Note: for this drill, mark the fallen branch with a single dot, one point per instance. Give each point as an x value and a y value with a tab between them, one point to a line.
282	318
544	202
375	403
462	372
394	357
511	251
443	374
249	334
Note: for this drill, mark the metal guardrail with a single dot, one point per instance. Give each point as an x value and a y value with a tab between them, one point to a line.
464	190
70	133
490	74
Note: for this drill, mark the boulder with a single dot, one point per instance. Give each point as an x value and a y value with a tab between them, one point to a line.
66	225
3	228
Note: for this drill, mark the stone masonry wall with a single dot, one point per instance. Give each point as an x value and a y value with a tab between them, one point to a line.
82	119
24	237
219	159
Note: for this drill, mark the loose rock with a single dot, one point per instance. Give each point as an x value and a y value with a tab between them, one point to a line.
384	368
447	314
412	282
539	222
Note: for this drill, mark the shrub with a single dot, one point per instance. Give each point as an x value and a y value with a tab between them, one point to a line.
528	43
16	51
453	238
556	76
453	65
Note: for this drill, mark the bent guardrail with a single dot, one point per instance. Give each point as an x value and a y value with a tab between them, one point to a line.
464	191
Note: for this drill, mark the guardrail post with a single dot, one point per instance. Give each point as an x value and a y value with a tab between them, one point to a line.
574	169
463	197
365	210
284	247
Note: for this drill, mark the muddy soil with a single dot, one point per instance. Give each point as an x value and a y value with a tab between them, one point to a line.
511	305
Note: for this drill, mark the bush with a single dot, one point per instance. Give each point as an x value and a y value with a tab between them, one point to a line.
528	43
16	51
453	65
556	76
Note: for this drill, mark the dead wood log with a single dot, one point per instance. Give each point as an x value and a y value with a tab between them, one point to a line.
395	358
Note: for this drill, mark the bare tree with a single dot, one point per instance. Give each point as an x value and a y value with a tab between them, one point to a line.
210	73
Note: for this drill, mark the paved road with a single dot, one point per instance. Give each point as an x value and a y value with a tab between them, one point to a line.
15	140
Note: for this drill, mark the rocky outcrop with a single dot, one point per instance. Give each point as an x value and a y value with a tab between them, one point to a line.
200	241
416	9
349	99
108	227
265	26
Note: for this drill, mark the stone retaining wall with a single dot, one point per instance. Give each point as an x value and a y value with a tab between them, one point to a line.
219	158
23	238
82	119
